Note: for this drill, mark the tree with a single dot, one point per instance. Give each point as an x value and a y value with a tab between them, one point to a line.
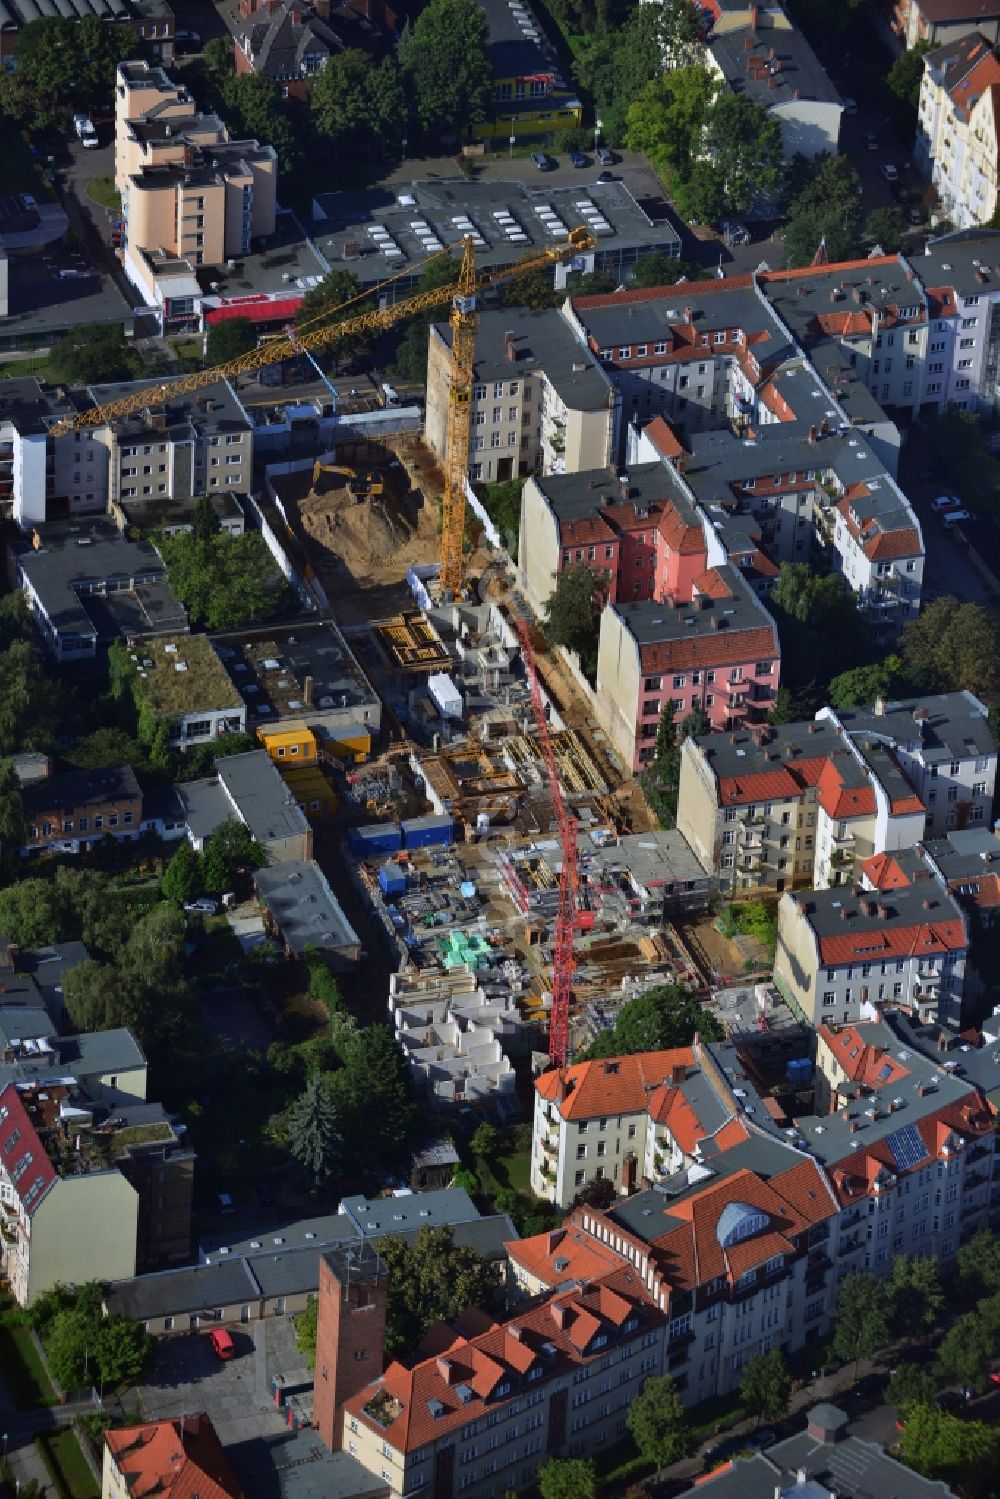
664	1017
884	227
667	119
485	1140
217	59
182	879
765	1386
956	439
968	1348
950	646
865	684
231	851
739	159
681	36
119	1348
860	1318
827	208
617	60
252	103
375	1096
657	1421
13	826
305	1331
104	747
226	582
31	913
337	286
231	338
411	352
657	269
64	64
313	1130
599	1193
205	523
94	351
431	1279
445	67
978	1258
903	80
572	613
568	1478
915	1294
822	630
66	1347
534	290
941	1446
910	1385
30	706
358	106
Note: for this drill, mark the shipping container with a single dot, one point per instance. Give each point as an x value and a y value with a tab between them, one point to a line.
392	879
429	832
376	838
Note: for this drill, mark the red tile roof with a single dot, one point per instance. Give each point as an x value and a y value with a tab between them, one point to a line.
838	800
563	1254
970	1118
685	539
593	1090
712	583
984	75
874	1066
876	543
884	872
182	1459
553	1336
771	785
688	293
584	530
23	1153
663	437
874	943
713	648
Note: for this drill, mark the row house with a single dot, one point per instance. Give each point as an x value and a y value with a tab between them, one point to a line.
956	144
718	653
842	953
540	402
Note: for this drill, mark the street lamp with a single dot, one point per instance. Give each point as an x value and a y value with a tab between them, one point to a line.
513	136
5	1446
404	147
597	133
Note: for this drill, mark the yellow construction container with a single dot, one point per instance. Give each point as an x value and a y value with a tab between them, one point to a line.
290	743
311	790
353	743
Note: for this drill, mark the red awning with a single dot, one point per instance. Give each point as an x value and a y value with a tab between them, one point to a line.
255	310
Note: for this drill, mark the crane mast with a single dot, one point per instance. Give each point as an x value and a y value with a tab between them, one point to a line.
562	959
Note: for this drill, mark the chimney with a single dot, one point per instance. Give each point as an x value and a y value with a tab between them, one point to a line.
824	427
560	1314
689	314
678	1073
307	692
754	15
553	1239
926	903
509	347
844	913
446	1369
880	707
623	486
812	434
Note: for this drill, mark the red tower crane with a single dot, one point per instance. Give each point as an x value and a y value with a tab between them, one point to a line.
562	963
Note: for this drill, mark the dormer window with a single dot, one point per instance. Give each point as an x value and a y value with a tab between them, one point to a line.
739	1221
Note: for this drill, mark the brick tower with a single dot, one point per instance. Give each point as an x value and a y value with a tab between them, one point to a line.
350	1332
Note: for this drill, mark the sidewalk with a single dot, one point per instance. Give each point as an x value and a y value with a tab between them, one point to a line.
17	1432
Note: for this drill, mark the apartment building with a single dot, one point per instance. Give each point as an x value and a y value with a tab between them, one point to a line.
183	1455
627	1118
532	100
248	788
291	41
190	195
943	745
841	953
540	402
718	652
79	808
775	66
906	22
69	1216
957	122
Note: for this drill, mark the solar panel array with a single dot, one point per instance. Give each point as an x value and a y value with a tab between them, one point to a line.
907	1148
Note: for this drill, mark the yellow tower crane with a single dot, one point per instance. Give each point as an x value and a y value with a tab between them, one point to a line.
318	332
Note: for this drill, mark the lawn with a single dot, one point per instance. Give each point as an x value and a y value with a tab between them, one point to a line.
38	365
102	191
61	1454
22	1368
512	1163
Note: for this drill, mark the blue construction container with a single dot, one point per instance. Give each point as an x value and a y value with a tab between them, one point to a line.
800	1071
392	879
429	832
376	838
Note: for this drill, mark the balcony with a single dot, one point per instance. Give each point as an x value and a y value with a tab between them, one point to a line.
852	1242
845	839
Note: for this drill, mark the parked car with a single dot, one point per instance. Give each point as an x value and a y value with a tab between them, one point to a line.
222	1343
889	172
871	140
946	502
995	1376
915	215
952	517
605	177
186	41
605	157
543	161
226	1203
84	127
577	159
203	906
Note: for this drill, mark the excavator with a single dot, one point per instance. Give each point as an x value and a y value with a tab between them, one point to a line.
363	483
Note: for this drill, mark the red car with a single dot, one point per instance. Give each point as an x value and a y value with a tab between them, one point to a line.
995	1376
222	1343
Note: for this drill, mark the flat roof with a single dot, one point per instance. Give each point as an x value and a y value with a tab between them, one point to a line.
581	495
30	407
543	342
962	260
212	409
289	263
57	290
205	806
744	754
531	217
305	909
734	612
270	668
253	784
657	858
178	675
